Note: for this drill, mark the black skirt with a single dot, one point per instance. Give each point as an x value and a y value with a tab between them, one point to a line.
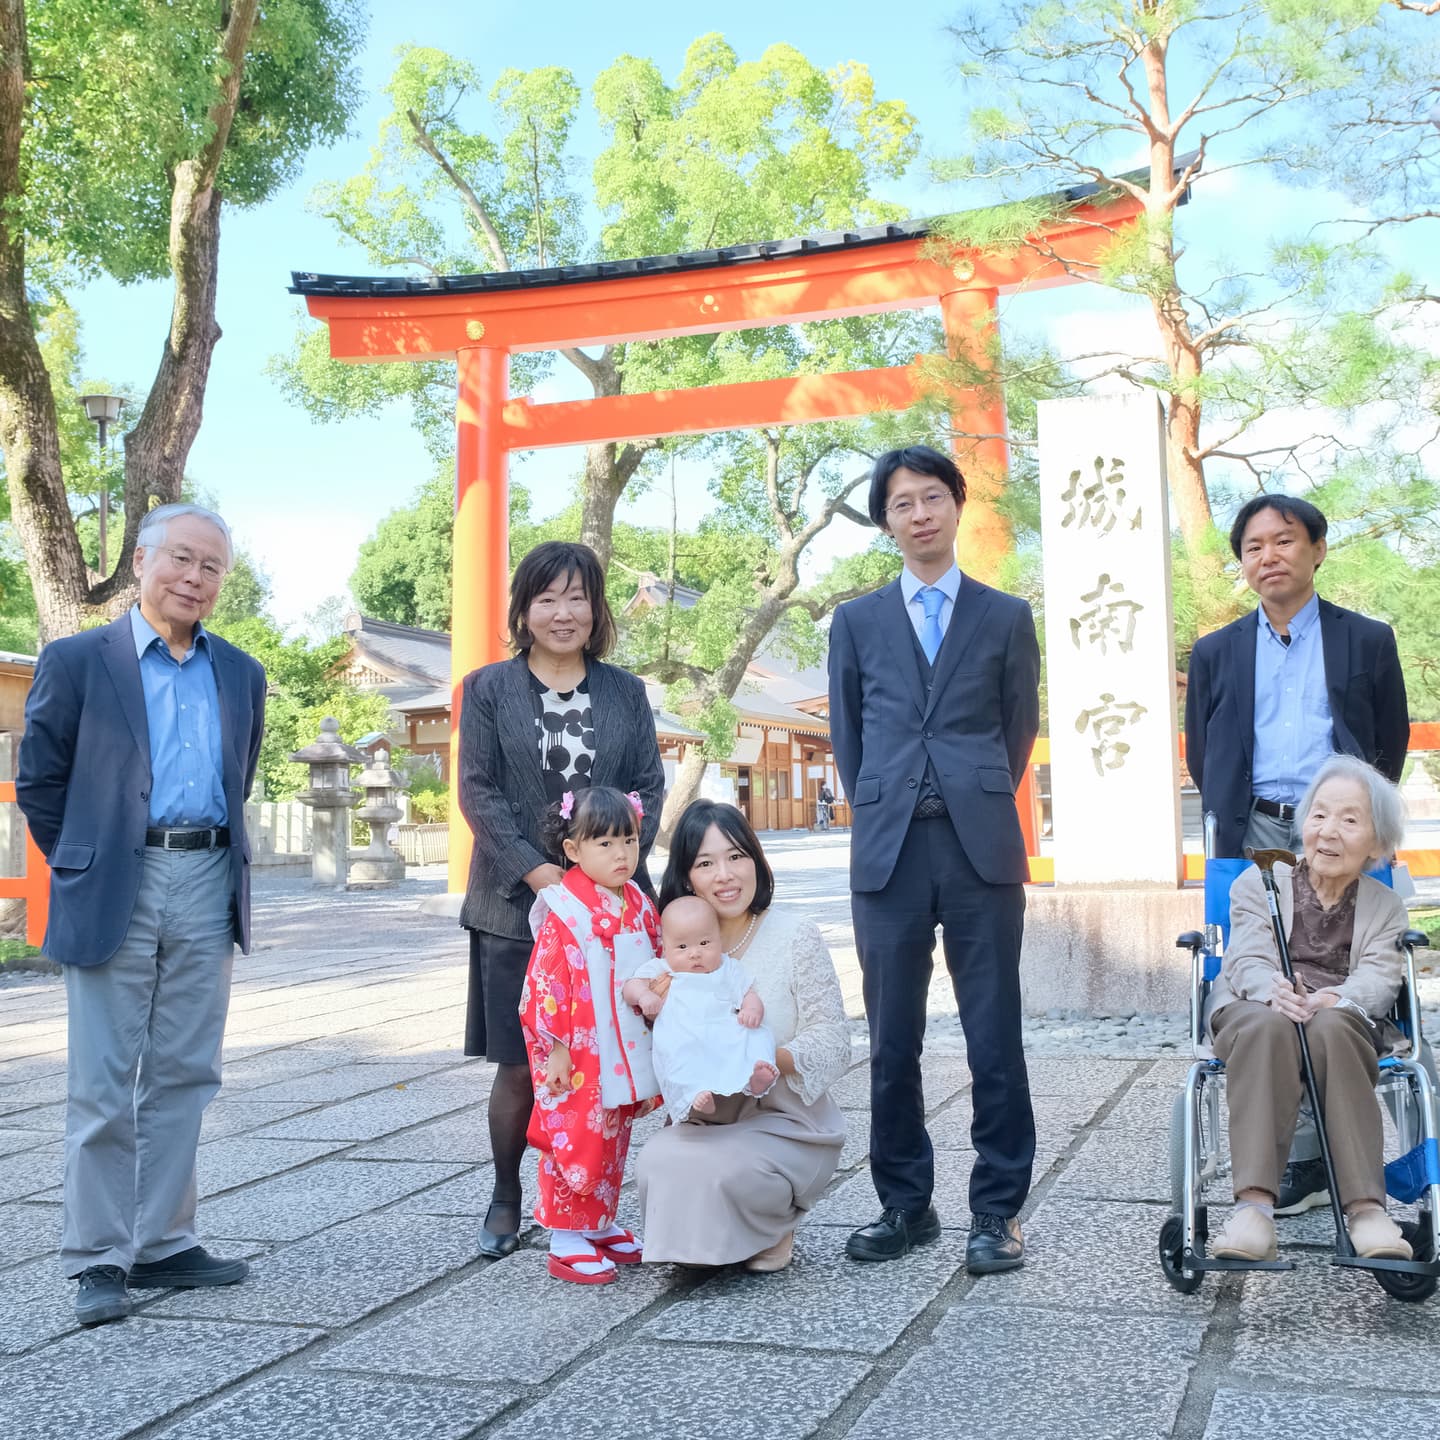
492	1007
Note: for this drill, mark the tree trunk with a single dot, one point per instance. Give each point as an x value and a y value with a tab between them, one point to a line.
604	484
682	793
157	448
1185	471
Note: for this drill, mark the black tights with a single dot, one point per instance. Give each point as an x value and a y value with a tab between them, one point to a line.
512	1095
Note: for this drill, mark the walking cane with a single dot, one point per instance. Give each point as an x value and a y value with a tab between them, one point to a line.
1265	861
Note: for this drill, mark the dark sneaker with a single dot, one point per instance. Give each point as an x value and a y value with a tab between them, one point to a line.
1302	1187
191	1269
102	1297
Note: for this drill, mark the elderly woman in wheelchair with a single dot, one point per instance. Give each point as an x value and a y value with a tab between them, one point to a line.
1344	931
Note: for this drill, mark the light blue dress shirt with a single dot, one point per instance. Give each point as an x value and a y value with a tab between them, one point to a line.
1294	732
910	587
182	709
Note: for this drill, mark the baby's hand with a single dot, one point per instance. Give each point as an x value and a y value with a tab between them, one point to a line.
557	1071
752	1011
649	1003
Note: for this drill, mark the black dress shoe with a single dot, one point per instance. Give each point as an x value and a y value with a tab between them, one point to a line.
102	1296
495	1243
995	1244
192	1269
894	1234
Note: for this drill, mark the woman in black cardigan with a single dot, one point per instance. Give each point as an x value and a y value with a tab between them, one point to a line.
553	718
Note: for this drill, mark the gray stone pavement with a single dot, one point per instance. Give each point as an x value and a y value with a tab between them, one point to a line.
347	1157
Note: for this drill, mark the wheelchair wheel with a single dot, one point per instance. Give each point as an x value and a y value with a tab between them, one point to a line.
1179	1180
1172	1244
1411	1287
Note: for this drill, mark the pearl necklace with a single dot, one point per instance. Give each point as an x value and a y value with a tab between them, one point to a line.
735	950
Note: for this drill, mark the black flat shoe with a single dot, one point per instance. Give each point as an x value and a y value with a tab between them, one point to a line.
894	1234
495	1243
102	1297
192	1269
995	1244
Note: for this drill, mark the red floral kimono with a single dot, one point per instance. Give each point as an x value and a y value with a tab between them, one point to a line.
582	1142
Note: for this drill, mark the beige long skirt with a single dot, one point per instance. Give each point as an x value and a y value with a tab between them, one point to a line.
718	1194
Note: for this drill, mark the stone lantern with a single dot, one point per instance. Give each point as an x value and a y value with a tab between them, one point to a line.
379	866
330	798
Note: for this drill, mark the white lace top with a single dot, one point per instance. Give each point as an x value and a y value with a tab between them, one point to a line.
795	979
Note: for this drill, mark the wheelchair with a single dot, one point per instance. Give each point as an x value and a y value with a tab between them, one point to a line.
1197	1152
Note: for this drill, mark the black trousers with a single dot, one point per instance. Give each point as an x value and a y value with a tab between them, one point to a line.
935	884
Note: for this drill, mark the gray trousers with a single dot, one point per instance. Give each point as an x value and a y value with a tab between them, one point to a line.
145	1034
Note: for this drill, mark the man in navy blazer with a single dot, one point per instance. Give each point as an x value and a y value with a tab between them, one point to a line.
934	709
1269	697
141	740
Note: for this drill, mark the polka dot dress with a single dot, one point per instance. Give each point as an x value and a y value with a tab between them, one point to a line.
567	739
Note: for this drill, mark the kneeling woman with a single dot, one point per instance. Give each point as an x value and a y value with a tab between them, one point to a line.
1343	929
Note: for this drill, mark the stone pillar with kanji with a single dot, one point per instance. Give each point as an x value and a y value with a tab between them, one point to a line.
1110	642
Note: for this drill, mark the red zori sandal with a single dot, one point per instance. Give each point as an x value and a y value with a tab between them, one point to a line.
608	1244
562	1267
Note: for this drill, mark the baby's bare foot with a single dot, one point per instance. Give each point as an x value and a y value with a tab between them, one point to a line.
704	1102
762	1077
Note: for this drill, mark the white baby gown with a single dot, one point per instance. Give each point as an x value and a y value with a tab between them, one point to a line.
700	1043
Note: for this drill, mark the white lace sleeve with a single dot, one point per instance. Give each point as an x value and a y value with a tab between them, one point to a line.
821	1046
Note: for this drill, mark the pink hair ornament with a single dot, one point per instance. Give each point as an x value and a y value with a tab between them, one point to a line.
634	799
567	804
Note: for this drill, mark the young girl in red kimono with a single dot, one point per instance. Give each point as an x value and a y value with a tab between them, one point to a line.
589	1051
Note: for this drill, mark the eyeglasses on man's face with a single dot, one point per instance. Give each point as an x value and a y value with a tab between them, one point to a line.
183	561
930	501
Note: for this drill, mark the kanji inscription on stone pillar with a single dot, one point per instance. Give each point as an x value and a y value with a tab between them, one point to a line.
1109	642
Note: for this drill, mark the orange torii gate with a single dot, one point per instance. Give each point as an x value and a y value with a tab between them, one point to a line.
480	320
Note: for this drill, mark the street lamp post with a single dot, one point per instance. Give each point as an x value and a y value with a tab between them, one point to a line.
104	410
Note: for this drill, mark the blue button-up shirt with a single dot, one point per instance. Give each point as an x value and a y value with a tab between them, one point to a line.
1294	733
182	709
911	586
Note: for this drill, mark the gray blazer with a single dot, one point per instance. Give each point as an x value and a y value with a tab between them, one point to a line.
502	789
84	782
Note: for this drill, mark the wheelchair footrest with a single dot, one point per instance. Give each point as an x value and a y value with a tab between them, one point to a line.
1405	1267
1192	1261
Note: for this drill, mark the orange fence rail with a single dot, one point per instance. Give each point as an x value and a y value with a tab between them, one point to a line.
33	887
1042	868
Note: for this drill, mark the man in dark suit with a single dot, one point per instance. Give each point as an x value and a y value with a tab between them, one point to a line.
1270	696
140	745
934	708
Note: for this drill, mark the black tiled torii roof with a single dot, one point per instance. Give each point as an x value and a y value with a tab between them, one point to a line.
307	282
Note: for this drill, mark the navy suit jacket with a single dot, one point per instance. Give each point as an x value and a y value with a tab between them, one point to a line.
976	726
1367	704
84	781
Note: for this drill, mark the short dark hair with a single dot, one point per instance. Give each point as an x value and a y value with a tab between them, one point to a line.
1301	511
689	835
541	568
595	812
923	461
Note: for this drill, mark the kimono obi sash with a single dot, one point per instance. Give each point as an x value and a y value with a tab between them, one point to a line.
622	1038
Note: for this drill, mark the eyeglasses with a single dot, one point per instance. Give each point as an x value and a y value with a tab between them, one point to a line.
931	500
211	571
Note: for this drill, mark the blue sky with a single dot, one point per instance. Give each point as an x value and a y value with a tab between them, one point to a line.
302	496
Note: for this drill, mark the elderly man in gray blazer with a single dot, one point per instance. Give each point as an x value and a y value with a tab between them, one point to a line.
141	740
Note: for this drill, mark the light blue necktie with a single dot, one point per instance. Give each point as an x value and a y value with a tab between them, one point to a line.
930	632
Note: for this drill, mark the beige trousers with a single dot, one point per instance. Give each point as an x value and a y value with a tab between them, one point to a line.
1261	1052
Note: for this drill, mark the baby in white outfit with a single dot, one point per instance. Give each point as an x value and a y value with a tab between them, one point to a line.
709	1036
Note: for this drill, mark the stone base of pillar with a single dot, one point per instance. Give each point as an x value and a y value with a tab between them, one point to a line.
1107	951
367	873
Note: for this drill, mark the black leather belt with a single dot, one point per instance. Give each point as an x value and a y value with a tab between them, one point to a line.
931	807
217	837
1277	809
